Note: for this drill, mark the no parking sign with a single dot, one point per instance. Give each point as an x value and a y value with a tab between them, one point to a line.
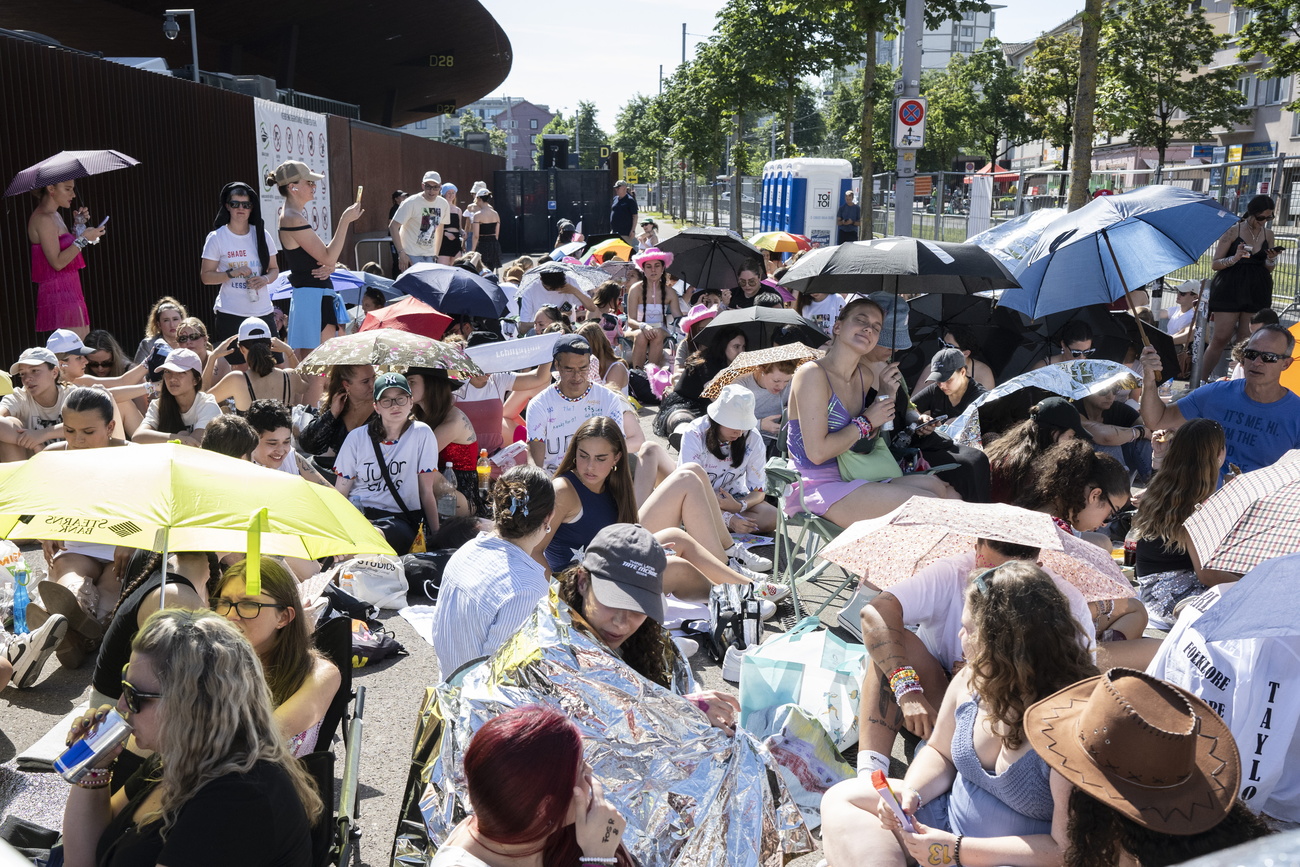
909	122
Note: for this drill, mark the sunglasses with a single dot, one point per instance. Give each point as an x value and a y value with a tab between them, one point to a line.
1082	353
189	338
247	609
99	364
1257	355
753	282
240	206
132	696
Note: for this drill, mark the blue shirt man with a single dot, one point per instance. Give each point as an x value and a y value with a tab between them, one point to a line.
848	218
622	213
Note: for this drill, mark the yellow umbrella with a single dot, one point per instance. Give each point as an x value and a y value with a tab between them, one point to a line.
169	496
1291	376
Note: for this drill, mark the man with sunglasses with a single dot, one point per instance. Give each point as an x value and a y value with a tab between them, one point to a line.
1076	344
417	224
1260	416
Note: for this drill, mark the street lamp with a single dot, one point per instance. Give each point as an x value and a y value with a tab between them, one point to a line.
171	29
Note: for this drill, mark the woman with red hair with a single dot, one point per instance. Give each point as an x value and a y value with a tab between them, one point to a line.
527	811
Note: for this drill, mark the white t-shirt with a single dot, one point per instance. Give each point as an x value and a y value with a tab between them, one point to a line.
934	597
23	406
554	419
534	298
415	452
233	251
824	312
419	218
496	388
1180	319
203	410
737	481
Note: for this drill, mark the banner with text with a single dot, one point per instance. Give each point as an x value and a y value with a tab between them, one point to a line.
288	133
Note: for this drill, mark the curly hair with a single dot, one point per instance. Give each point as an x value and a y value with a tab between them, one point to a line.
216	717
291	657
1098	835
649	651
619	484
1070	470
1027	643
1188	476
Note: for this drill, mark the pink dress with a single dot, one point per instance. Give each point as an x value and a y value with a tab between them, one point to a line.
59	301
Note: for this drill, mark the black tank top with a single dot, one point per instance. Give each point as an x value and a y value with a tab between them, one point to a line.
115	651
300	265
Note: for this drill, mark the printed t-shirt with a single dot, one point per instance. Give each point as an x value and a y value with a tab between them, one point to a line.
415	452
23	406
229	250
203	410
418	219
825	311
554	419
1257	433
737	481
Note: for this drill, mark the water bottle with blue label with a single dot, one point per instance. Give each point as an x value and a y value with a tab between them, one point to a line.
20	598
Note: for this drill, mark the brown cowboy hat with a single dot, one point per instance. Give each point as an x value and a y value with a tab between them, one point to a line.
1150	750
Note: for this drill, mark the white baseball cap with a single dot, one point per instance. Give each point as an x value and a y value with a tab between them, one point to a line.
66	341
253	328
432	178
34	355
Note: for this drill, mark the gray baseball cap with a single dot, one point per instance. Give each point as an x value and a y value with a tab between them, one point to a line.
627	565
945	363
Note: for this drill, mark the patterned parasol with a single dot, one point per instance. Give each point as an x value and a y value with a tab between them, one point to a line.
781	242
1251	519
748	362
390	350
886	550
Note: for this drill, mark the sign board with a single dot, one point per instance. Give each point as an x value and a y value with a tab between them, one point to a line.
288	133
518	354
909	122
970	168
550	206
633	176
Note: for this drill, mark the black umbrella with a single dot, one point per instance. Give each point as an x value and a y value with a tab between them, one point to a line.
452	290
762	326
900	265
709	257
1161	340
1045	338
994	332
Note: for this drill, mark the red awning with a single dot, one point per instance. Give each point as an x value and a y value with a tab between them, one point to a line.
1000	175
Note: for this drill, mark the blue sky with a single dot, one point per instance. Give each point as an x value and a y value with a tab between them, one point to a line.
606	52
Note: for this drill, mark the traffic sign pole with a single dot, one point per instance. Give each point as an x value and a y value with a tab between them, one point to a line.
905	183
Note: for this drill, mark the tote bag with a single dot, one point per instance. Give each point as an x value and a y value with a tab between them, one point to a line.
873	466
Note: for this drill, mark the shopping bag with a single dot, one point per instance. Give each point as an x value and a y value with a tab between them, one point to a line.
807	666
808	761
379	579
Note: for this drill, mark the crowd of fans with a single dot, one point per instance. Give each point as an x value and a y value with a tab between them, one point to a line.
606	522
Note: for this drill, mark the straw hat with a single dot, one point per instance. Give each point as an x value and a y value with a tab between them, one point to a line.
748	362
734	408
1148	749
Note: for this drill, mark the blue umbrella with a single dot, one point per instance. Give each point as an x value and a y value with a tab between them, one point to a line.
349	285
452	290
1093	255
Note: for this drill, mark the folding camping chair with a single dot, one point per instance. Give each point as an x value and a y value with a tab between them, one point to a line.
813	531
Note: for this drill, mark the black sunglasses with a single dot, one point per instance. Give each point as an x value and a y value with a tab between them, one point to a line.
133	696
249	609
1083	353
1257	355
98	364
240	206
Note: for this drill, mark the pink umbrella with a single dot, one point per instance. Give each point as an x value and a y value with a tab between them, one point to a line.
886	550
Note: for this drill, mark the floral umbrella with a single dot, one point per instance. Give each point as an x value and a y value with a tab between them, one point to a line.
747	362
886	550
390	350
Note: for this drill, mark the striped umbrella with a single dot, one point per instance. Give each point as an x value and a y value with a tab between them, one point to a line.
781	242
1251	519
68	166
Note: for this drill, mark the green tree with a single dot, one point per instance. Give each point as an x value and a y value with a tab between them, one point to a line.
470	122
947	126
994	118
843	121
1153	87
1049	87
1273	31
590	137
637	133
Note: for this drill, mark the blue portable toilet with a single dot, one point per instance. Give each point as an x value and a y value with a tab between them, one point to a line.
807	195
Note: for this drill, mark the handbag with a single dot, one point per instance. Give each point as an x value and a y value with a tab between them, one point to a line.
873	466
400	529
807	666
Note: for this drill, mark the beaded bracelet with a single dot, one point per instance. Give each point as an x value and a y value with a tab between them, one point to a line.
903	680
956	851
96	778
592	859
864	426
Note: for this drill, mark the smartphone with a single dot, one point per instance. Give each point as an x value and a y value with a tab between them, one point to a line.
936	421
359	189
1234	469
103	222
1279	248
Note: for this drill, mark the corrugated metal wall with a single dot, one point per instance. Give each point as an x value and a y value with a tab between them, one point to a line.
191	140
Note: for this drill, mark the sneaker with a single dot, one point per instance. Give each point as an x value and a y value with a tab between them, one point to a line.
738	566
752	560
766	608
771	590
688	647
731	665
28	653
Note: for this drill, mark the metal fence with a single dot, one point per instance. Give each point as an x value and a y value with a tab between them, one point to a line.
693	202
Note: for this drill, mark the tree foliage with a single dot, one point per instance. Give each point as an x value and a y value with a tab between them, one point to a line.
993	117
592	137
1153	87
470	122
1049	88
1274	31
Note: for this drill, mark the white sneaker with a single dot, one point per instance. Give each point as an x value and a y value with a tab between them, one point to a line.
766	608
771	590
754	577
751	560
687	647
731	664
28	653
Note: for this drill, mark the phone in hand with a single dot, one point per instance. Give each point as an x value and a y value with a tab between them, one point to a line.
1279	248
103	222
360	187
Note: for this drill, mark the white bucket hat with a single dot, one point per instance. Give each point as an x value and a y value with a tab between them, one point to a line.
734	408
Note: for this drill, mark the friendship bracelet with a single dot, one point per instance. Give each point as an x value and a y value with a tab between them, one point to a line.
920	802
864	426
904	680
956	851
591	859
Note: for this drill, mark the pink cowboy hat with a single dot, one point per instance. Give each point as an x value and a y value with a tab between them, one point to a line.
653	254
699	313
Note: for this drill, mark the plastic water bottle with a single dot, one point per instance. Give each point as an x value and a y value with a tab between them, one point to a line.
20	598
484	472
447	502
888	425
